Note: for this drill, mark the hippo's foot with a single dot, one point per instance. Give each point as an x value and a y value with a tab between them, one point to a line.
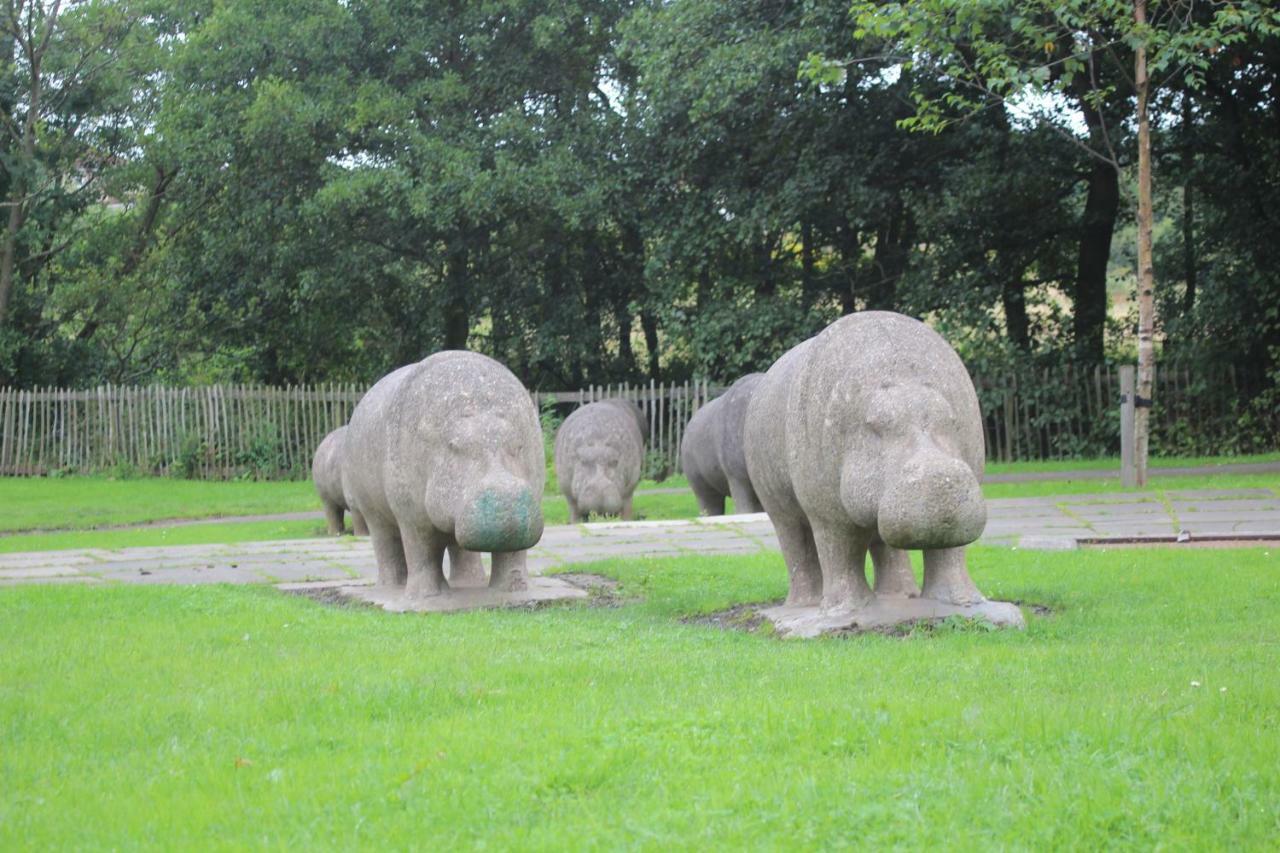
420	587
509	573
946	578
845	601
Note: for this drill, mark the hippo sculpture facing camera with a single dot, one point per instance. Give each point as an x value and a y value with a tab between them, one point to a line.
326	473
599	455
447	454
868	437
712	454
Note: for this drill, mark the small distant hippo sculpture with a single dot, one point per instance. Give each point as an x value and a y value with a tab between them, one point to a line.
868	436
599	455
326	473
446	454
712	453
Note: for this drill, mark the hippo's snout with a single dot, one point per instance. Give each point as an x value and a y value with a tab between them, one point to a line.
598	495
933	501
502	514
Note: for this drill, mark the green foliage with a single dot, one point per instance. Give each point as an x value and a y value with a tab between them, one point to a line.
602	191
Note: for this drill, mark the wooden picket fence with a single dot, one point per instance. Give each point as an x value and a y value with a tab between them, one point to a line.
223	431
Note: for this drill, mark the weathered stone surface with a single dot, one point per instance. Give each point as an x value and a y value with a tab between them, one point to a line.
326	473
446	454
539	590
712	454
880	613
867	438
599	454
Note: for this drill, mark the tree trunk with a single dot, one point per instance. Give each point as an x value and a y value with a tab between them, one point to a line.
8	255
625	353
1100	210
649	324
457	322
893	241
1014	299
806	261
1188	211
1146	268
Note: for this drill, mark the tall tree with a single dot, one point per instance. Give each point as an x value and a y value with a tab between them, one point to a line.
1006	50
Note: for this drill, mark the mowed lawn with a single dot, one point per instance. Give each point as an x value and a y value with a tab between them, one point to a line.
1143	712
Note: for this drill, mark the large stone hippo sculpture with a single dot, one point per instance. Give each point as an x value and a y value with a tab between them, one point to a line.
446	454
599	454
868	436
326	473
712	454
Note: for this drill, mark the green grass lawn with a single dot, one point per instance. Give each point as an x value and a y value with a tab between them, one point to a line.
229	718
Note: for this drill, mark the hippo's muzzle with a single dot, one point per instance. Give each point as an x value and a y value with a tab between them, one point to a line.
931	500
501	513
598	495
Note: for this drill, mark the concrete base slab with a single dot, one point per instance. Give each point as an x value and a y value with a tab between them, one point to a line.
813	621
541	590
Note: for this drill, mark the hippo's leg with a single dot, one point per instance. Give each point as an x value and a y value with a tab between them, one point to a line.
424	555
389	552
744	497
358	527
509	571
947	579
333	518
465	567
843	555
804	572
893	571
710	502
627	512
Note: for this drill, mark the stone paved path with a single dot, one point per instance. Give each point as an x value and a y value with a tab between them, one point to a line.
1020	477
1030	522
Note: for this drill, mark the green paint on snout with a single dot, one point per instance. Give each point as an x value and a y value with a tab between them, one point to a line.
503	523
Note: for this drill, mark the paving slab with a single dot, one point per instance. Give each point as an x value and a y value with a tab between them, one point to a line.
1056	519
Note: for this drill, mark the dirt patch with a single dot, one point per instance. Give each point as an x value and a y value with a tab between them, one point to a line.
1037	609
740	617
331	596
602	591
747	618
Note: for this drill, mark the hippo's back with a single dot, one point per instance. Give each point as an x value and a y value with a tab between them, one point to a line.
326	467
732	419
366	443
765	433
699	453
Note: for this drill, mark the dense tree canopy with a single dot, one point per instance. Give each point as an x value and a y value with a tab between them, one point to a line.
589	190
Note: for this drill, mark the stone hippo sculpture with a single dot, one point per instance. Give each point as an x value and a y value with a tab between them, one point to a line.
599	454
447	454
712	454
326	473
868	436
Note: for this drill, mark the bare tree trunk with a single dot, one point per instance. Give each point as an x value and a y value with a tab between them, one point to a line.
1146	269
8	257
